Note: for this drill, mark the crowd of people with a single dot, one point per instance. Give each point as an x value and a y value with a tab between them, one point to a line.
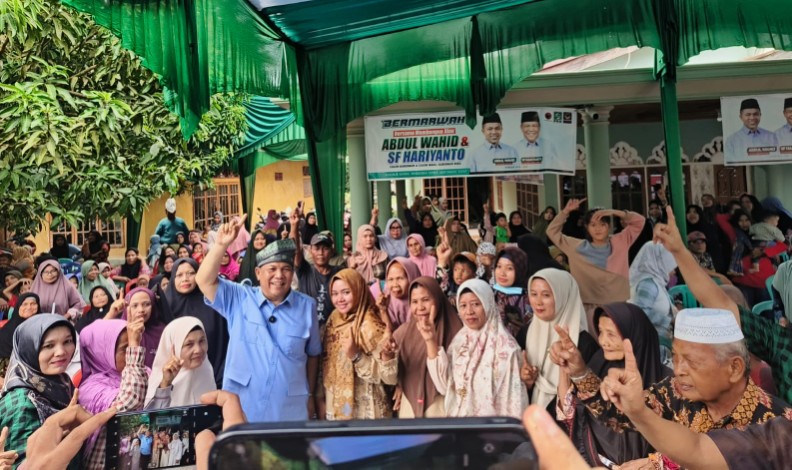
573	315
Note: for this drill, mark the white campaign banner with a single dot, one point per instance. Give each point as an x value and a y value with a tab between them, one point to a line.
509	142
757	129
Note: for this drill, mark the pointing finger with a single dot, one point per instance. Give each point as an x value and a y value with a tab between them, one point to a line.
630	364
3	439
671	217
553	446
563	333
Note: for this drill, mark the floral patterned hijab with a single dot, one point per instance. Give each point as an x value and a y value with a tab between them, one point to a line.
484	364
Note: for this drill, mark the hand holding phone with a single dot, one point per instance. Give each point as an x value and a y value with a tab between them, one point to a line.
232	416
168	434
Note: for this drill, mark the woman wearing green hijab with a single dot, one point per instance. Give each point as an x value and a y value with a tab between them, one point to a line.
92	278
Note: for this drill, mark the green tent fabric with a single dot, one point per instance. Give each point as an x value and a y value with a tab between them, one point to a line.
264	120
272	136
324	22
133	226
337	60
202	47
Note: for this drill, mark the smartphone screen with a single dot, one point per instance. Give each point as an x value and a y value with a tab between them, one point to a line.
157	438
409	449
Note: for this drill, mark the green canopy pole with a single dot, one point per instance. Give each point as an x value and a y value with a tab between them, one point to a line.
247	184
673	141
133	222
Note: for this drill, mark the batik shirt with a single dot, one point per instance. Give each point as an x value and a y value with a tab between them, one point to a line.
665	400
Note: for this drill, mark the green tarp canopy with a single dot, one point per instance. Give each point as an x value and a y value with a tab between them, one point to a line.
272	136
337	60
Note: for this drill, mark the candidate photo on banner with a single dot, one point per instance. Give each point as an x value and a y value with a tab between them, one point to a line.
493	156
757	129
508	142
540	140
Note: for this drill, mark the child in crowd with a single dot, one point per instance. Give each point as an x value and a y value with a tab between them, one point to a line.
767	229
502	231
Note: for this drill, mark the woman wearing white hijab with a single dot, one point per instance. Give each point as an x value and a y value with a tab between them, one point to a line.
555	300
394	240
181	372
479	375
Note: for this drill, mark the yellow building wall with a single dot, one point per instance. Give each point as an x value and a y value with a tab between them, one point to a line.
269	194
279	195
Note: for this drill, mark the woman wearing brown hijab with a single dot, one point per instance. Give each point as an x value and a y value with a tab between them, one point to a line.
359	357
417	396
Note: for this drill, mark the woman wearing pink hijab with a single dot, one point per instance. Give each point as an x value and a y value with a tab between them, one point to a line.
229	268
416	247
56	293
114	374
241	241
367	257
392	295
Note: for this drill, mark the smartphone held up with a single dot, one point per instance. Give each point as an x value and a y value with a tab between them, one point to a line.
472	443
157	438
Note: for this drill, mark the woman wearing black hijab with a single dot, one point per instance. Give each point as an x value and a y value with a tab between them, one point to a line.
517	226
60	247
614	323
100	305
538	254
92	248
752	207
258	241
309	229
155	285
27	305
184	298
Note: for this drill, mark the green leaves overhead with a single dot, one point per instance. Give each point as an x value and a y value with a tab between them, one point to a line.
83	128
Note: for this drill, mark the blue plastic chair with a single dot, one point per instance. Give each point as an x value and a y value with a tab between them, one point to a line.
769	285
762	307
683	292
70	267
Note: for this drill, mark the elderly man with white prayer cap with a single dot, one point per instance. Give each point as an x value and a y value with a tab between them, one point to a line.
711	388
168	227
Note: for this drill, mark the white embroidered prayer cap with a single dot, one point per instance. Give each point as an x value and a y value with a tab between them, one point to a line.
707	326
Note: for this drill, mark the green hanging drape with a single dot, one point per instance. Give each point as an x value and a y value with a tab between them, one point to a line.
385	51
336	60
133	225
272	136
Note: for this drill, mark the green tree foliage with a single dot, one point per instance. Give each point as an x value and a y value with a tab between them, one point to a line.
83	128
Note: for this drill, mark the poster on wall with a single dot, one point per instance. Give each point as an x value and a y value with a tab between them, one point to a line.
757	129
509	142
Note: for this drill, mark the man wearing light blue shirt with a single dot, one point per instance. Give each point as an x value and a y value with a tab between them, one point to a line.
750	139
273	355
493	156
784	134
535	152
